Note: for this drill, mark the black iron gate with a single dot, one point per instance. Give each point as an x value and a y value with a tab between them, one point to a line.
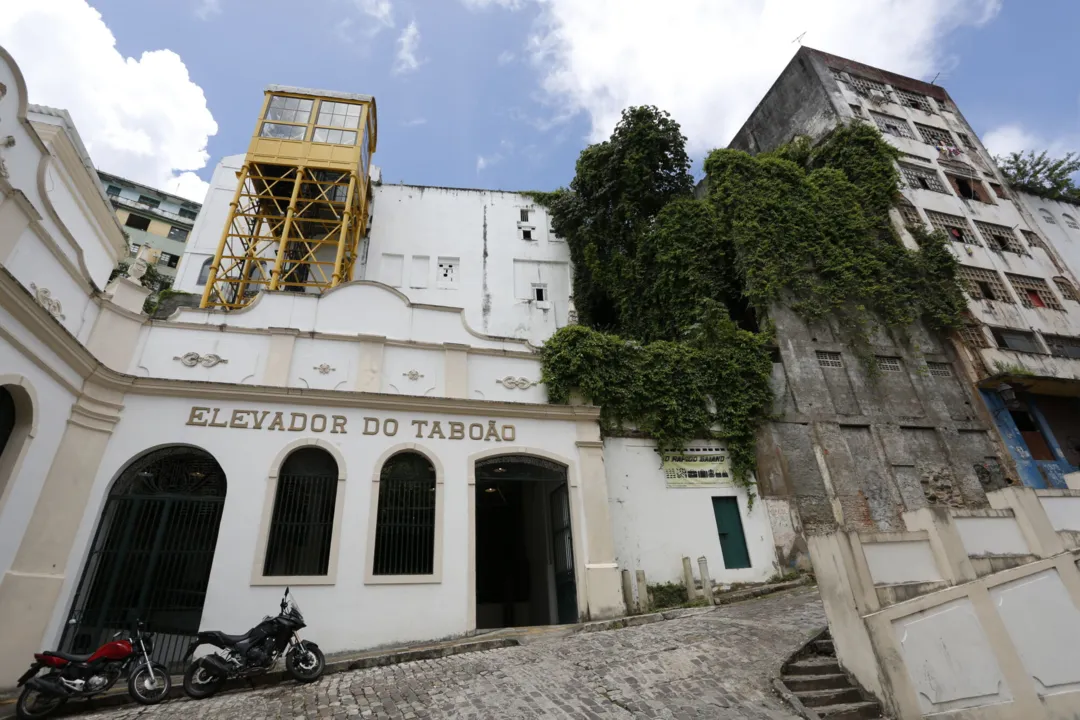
152	553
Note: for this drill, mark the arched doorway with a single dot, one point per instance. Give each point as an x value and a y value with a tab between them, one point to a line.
151	555
524	543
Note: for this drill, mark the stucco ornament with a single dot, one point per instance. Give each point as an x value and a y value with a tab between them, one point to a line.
325	369
413	375
137	269
7	142
192	359
521	383
46	300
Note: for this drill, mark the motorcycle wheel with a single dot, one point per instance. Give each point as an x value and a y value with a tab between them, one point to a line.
33	704
305	663
139	685
201	683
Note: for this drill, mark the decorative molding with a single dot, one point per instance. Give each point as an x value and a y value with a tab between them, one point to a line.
192	359
413	375
46	300
7	142
520	383
325	369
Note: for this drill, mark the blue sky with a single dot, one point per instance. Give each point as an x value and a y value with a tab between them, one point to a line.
505	93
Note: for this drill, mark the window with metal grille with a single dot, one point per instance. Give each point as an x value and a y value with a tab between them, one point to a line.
178	233
149	201
940	369
983	284
935	136
1047	217
188	213
892	125
524	215
405	523
1063	346
955	227
969	188
966	140
857	109
829	359
922	178
914	100
998	190
1067	289
909	214
868	88
1034	292
1018	340
112	190
302	522
1001	238
1070	221
973	336
888	363
1034	240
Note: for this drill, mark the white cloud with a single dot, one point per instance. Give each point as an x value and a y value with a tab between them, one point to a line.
483	4
415	122
408	43
381	10
485	161
205	9
1013	137
505	57
709	62
143	119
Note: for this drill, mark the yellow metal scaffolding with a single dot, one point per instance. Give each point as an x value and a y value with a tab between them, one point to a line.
301	204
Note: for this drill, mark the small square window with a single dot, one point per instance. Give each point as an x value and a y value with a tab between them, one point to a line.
138	222
178	233
939	369
112	190
149	201
829	359
540	293
887	363
526	234
524	215
857	109
188	213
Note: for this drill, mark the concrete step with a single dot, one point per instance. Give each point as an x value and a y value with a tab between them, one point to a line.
850	711
826	681
816	665
832	696
823	647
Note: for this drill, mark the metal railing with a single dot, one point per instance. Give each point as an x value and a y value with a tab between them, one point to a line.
301	526
147	207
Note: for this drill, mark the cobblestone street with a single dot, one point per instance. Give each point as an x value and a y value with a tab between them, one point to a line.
714	665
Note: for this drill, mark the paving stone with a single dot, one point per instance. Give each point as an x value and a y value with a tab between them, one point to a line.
716	665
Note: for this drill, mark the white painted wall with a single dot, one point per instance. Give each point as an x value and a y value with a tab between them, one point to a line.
1064	512
349	614
991	536
1050	219
892	563
656	526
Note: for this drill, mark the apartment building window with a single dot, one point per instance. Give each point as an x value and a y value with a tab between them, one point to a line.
922	178
149	201
914	100
966	141
909	214
1063	346
955	227
188	213
1034	292
540	292
168	259
857	109
969	187
178	233
1001	238
1018	340
973	336
1067	289
868	88
998	190
138	222
1034	240
1046	216
935	136
983	284
1070	221
524	215
829	359
892	125
939	369
112	190
887	363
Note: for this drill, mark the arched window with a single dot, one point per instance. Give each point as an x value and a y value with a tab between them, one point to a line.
16	427
204	271
1071	221
302	522
405	523
7	417
1048	217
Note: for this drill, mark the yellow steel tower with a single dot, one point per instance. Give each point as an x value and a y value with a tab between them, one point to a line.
301	205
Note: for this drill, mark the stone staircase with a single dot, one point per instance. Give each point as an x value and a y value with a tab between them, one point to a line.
814	677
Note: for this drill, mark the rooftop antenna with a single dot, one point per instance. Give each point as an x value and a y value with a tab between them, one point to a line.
799	39
934	81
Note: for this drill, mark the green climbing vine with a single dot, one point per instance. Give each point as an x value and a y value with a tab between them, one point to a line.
674	288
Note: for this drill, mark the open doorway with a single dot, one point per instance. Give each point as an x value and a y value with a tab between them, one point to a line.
524	544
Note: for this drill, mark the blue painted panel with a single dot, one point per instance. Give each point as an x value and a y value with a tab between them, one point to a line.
1053	471
1025	464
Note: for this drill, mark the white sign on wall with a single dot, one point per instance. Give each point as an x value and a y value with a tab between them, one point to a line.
703	464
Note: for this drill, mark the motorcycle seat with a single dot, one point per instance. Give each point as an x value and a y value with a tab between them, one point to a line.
223	639
68	656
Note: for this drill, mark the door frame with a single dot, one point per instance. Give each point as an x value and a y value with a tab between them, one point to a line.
577	524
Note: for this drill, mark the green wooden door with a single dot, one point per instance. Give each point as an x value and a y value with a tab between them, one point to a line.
729	526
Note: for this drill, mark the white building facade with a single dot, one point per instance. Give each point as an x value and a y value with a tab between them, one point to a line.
385	449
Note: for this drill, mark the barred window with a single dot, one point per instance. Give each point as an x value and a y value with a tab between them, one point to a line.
909	214
1067	289
983	284
1001	238
935	136
1034	240
829	359
892	125
914	100
940	369
922	178
867	88
1063	346
888	363
973	336
1018	340
302	522
1034	292
405	523
966	140
955	227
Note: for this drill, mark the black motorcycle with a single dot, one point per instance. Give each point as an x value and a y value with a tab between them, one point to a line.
254	653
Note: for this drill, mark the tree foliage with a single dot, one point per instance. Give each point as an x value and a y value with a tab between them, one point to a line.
1042	175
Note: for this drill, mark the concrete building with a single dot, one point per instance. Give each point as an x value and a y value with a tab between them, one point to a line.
152	219
948	592
372	433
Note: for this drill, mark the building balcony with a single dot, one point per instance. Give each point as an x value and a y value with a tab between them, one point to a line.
177	218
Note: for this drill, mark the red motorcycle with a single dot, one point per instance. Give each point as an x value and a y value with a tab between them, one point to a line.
82	676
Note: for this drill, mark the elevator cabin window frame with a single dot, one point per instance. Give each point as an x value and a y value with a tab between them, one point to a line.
302	119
